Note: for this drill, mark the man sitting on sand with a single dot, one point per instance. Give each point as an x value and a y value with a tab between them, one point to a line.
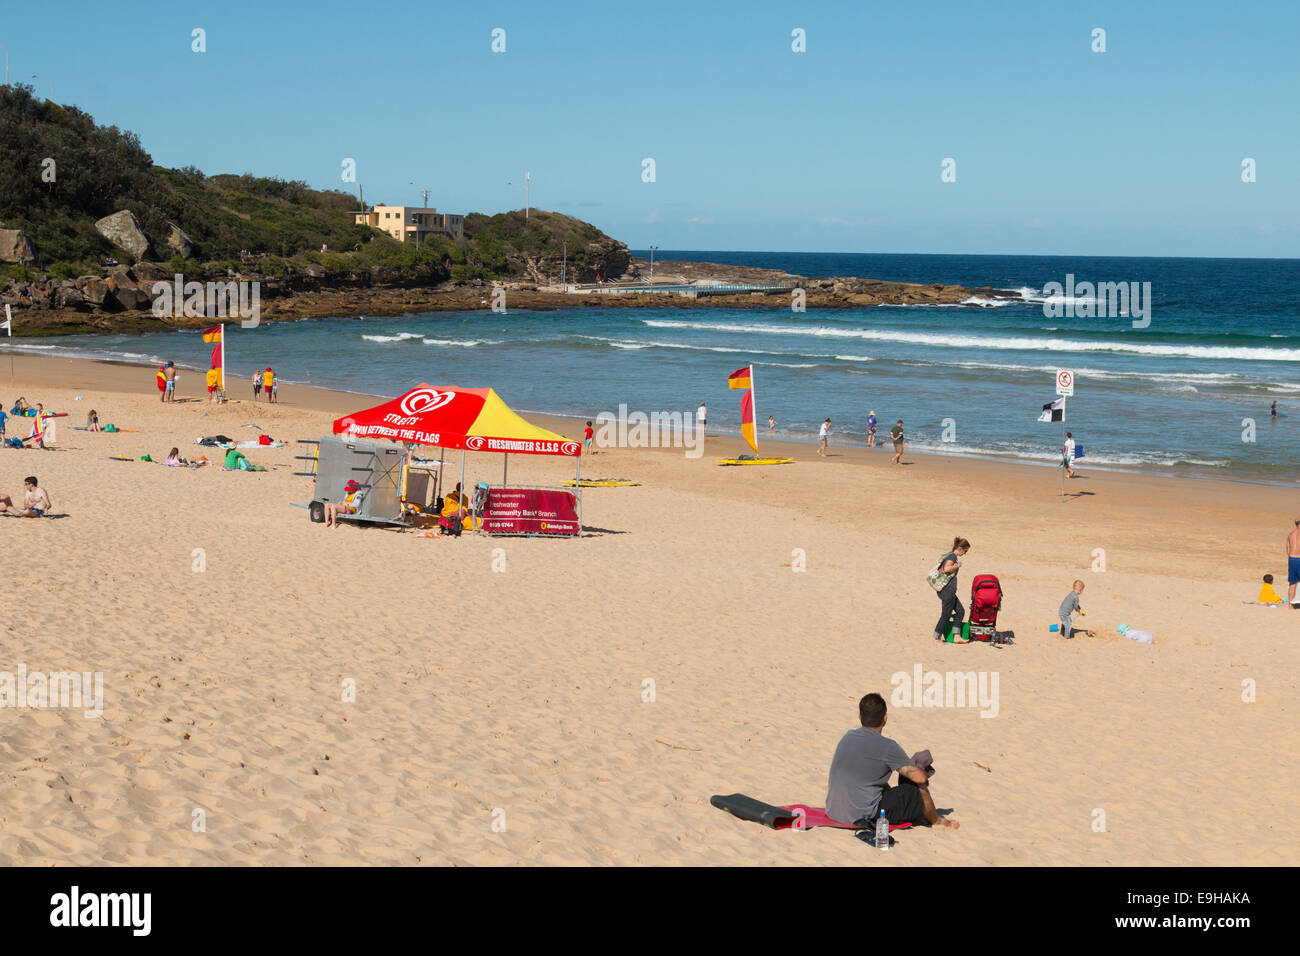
858	788
36	503
348	506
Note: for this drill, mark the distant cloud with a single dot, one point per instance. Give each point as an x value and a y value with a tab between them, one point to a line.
653	216
701	219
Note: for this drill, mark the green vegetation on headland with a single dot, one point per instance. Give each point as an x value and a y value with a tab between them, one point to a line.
60	173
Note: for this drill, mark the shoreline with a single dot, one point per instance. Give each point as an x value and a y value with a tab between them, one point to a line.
334	399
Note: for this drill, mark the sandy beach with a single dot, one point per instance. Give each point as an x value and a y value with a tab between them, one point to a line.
503	717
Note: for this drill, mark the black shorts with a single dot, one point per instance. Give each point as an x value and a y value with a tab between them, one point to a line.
902	804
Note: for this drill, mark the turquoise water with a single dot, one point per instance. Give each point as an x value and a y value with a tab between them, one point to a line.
1222	344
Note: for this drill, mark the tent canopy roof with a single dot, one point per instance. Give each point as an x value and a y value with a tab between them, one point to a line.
474	419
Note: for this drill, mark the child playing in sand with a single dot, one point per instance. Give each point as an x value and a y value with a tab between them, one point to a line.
1266	593
1069	606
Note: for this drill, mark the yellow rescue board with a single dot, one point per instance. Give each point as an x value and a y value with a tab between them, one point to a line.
605	482
754	461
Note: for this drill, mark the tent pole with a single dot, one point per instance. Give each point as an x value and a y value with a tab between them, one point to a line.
461	503
577	486
505	470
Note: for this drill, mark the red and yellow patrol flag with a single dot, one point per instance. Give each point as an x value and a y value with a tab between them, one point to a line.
216	334
162	379
744	378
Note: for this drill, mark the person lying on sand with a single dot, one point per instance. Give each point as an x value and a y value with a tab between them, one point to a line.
858	786
36	503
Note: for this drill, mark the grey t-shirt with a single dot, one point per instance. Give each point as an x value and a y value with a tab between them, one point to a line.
860	769
1070	604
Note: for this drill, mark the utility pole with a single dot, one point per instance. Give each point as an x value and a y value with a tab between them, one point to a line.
564	263
415	216
652	265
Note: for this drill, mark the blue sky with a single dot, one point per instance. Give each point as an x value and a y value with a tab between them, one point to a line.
1058	150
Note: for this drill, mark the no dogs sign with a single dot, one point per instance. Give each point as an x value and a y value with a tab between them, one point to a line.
1064	382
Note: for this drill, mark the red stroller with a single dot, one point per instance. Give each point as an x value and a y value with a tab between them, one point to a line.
985	602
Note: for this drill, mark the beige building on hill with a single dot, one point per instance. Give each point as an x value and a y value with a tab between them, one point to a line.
407	223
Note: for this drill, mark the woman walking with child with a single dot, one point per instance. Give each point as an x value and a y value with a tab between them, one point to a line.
944	581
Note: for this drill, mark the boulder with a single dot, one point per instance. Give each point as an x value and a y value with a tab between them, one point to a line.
123	231
146	274
93	289
126	293
180	243
68	296
16	246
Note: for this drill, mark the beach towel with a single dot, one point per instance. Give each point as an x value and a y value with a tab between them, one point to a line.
796	816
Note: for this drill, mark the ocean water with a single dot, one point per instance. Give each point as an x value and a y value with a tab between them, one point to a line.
1188	394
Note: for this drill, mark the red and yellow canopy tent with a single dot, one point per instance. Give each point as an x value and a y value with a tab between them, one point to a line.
469	419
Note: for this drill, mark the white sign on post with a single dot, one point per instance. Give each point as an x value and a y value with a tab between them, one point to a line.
1064	382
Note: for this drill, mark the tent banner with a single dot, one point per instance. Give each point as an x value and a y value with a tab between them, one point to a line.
530	511
523	446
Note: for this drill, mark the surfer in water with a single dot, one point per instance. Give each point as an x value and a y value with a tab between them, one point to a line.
1272	409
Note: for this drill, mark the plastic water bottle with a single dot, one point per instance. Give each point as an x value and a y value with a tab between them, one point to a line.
882	832
1133	634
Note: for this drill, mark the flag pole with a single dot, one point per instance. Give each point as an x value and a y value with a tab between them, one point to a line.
753	406
1063	468
223	359
9	327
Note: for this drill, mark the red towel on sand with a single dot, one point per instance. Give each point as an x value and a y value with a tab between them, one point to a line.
816	817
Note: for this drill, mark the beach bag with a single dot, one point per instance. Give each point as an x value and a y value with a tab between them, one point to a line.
110	427
450	525
938	579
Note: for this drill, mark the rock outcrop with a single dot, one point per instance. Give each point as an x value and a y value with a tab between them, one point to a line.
179	243
16	246
123	231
